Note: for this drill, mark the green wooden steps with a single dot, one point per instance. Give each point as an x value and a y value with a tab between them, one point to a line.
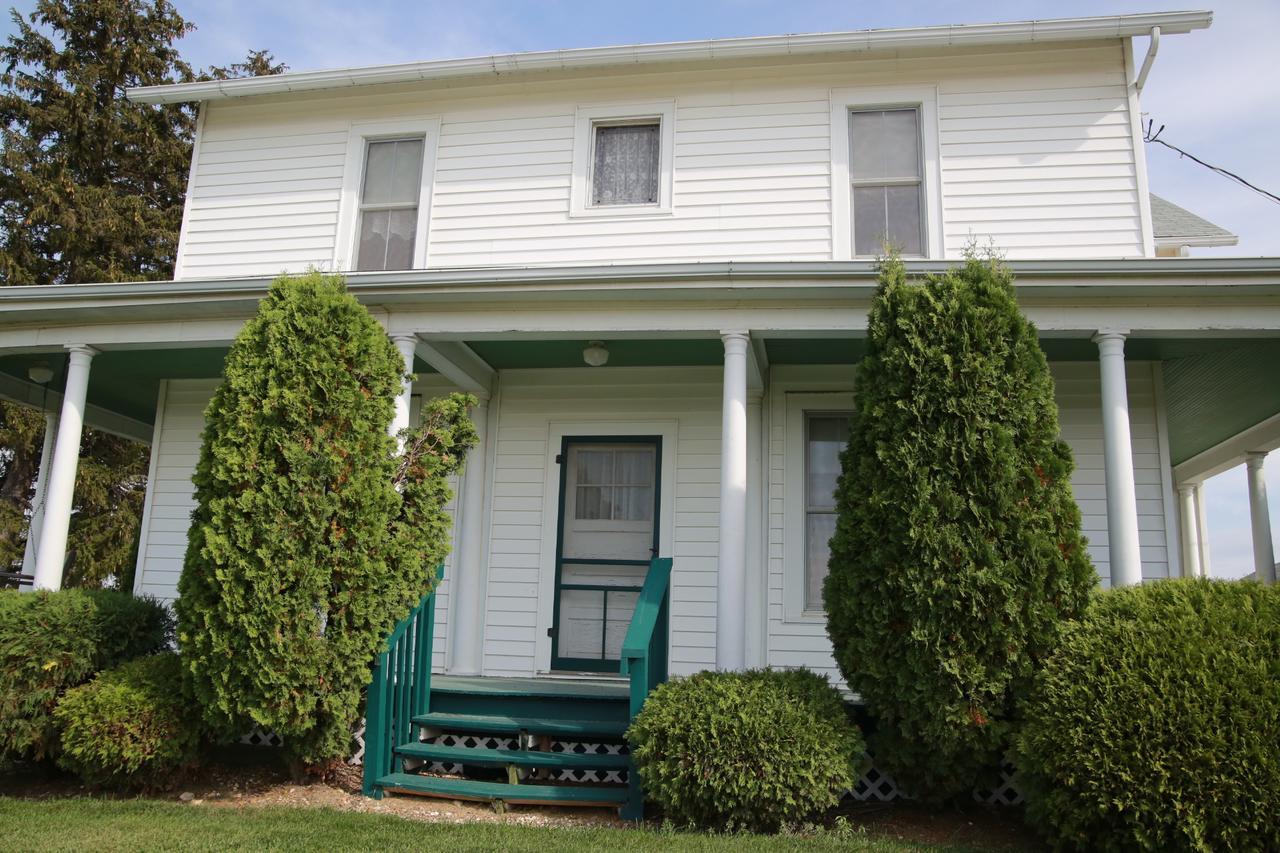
468	789
501	724
502	757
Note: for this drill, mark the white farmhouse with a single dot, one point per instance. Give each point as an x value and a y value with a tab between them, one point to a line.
652	264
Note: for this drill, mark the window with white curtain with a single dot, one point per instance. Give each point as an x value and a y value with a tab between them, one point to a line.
626	163
887	181
826	434
389	204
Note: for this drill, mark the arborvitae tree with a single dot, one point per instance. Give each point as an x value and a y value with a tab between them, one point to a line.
311	537
91	189
957	551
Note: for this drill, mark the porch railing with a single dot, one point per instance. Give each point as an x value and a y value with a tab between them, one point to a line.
399	690
644	658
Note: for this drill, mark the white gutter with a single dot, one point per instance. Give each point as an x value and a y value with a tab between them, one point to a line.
1152	49
501	65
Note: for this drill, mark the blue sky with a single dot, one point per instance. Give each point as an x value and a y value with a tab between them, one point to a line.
1216	91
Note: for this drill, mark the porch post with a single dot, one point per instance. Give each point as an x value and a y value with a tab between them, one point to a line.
1190	525
1264	555
51	552
1122	501
41	491
466	632
406	345
731	574
757	625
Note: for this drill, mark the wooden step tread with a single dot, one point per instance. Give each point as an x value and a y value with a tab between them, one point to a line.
514	725
521	757
466	789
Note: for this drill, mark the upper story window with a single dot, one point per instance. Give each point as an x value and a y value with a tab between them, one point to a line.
622	160
887	181
825	436
626	163
389	204
886	172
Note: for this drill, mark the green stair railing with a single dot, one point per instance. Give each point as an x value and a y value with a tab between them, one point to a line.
644	659
399	690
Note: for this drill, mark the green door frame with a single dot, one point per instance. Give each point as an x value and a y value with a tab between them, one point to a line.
600	664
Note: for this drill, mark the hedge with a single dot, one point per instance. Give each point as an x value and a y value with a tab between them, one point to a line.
755	750
130	726
1156	724
957	550
52	641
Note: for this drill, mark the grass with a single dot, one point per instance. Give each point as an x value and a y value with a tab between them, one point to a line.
94	824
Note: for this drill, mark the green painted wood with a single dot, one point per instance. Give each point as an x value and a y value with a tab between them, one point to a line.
501	724
531	794
521	757
557	688
644	659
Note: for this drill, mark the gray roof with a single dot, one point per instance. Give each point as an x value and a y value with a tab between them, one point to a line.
1173	224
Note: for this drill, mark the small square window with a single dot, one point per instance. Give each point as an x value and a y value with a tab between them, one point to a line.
887	181
389	204
626	163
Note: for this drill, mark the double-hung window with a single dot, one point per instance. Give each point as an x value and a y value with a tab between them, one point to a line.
389	193
887	181
825	435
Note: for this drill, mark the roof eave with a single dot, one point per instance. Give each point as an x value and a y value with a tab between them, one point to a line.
584	59
1206	241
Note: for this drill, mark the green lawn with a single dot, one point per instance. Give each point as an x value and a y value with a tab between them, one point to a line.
90	824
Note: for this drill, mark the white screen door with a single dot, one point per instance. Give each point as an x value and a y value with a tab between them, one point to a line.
609	499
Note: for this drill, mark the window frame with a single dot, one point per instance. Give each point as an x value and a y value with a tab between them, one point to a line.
799	407
586	119
347	244
844	102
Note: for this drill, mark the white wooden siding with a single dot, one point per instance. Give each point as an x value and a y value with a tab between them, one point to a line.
1035	144
803	642
524	508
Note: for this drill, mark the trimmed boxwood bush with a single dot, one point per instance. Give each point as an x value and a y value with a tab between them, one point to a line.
957	551
312	536
52	641
130	726
752	750
1156	723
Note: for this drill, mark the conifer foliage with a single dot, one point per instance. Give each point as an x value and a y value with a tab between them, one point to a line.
958	550
311	537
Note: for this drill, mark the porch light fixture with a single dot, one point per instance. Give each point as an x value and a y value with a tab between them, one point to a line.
596	354
40	373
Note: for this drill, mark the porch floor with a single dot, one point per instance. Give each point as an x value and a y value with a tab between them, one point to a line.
549	686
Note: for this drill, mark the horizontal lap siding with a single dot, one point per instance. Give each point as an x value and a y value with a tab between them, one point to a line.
1035	145
1078	393
531	402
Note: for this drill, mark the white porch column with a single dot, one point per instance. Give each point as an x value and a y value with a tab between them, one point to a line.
1122	502
1202	528
757	623
406	345
731	574
467	630
41	492
51	550
1190	525
1264	555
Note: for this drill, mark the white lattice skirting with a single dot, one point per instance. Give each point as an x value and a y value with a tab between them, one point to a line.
874	785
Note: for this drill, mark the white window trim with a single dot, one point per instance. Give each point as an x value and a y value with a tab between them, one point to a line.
358	138
586	118
925	99
793	519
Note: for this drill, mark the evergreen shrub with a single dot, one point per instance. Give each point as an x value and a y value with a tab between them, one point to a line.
312	535
1156	723
754	750
52	641
957	551
130	726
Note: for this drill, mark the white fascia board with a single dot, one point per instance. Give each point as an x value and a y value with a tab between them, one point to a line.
759	47
1197	242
